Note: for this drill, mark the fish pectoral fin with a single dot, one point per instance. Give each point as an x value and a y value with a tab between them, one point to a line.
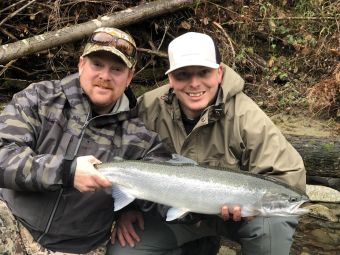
175	213
121	198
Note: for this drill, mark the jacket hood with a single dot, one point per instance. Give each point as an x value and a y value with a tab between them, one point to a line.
231	84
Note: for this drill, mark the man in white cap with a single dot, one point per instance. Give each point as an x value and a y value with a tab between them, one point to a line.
52	198
204	115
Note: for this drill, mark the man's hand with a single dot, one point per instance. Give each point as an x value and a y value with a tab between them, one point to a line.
234	214
124	230
86	177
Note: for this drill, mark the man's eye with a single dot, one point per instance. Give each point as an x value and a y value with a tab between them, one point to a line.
116	69
97	64
181	76
203	73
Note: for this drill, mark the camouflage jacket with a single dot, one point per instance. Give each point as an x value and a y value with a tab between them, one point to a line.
42	130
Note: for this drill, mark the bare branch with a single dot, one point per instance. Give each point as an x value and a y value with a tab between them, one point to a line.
7	66
16	12
76	32
229	40
12	5
153	52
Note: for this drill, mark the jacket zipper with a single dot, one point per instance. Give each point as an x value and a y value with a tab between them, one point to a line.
47	228
51	216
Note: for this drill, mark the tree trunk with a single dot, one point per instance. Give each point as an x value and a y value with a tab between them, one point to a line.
321	155
72	33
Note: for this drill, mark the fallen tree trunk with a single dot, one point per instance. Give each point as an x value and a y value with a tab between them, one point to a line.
321	155
129	16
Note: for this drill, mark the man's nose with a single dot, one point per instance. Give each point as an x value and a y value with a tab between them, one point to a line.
194	80
105	74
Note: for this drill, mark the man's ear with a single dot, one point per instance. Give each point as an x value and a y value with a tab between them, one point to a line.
170	80
220	74
81	64
130	76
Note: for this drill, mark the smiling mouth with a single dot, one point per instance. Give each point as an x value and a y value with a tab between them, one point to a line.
101	86
195	94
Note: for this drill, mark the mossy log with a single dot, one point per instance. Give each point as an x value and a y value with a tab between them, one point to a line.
321	155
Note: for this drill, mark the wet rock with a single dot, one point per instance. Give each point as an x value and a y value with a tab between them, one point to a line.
229	247
319	193
318	232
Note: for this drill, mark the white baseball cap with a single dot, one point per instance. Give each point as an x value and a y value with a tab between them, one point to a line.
192	49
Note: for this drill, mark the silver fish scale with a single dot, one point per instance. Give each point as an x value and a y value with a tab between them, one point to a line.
199	189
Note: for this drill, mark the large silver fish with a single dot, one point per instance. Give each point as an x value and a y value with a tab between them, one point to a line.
192	188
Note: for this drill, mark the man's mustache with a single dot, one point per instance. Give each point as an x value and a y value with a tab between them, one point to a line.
102	84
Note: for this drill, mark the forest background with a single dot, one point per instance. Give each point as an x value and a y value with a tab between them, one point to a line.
287	51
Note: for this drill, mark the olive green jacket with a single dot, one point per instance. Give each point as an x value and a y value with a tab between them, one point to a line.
234	132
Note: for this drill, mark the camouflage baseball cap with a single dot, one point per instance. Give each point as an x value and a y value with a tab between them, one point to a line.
115	41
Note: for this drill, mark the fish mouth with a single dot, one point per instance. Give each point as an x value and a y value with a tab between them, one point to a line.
299	212
284	208
297	209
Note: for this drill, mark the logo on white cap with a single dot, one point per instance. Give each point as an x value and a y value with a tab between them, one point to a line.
192	49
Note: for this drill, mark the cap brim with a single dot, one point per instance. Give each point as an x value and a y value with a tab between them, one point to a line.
193	63
94	48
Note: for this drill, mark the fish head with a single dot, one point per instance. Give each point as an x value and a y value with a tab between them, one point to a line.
283	204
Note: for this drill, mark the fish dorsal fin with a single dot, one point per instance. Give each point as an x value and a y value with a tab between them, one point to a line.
180	160
122	197
175	213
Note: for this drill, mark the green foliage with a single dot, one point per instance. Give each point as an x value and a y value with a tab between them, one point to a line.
265	8
293	38
327	147
311	142
241	56
305	7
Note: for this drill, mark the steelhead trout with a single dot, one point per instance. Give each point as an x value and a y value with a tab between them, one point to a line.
193	188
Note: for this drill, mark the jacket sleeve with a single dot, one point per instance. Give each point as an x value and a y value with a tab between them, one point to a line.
156	150
21	167
266	151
